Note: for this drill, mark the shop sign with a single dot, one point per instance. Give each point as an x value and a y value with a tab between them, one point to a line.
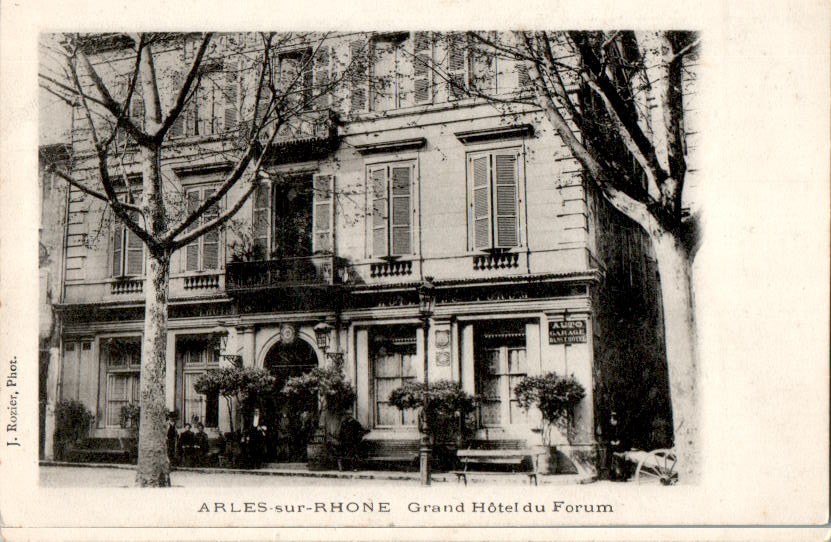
567	332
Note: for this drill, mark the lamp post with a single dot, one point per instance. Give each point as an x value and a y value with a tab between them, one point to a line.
426	300
322	336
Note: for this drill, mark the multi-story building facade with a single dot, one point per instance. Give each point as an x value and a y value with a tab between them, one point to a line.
371	192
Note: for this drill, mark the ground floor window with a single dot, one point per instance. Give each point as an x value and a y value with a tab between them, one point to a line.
500	364
393	353
121	359
195	355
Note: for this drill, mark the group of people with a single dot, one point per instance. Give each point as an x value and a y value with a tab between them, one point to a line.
187	448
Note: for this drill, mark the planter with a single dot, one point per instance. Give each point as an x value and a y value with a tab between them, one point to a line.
546	459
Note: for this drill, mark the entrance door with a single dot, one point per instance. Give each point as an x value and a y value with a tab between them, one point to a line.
289	431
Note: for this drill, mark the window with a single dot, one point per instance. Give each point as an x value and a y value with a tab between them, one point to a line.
212	105
390	188
127	253
393	364
121	359
203	253
391	71
500	364
493	199
293	216
294	75
135	111
195	355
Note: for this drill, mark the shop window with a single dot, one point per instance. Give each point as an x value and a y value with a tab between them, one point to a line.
121	358
393	353
500	364
196	355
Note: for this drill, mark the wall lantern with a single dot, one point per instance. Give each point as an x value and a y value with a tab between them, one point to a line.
220	333
426	297
322	335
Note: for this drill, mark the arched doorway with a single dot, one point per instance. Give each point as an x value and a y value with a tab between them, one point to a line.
289	431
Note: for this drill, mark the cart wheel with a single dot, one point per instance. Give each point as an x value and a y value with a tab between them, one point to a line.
658	466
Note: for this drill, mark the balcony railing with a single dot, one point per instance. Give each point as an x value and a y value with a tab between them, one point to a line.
281	273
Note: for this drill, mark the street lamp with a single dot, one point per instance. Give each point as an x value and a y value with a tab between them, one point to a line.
426	300
322	336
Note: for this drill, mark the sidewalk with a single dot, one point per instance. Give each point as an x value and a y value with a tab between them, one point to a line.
298	472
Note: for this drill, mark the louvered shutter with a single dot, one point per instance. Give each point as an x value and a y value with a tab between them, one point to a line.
137	107
321	77
358	79
135	254
307	79
456	65
210	241
378	182
523	78
481	202
192	249
265	93
231	104
323	208
506	200
262	214
118	240
177	129
422	67
400	207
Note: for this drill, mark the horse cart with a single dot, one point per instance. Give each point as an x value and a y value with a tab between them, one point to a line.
653	467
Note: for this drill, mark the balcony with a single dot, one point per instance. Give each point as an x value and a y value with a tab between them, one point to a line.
311	271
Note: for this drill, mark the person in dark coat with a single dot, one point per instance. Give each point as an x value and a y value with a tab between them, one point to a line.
618	469
172	437
200	445
186	446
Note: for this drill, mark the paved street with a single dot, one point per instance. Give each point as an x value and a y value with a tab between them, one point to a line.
122	476
61	476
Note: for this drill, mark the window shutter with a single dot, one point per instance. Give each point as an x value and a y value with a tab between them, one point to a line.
210	241
231	116
456	65
262	214
523	78
323	209
307	79
378	180
321	77
137	107
192	249
422	67
481	203
265	93
401	218
118	240
177	129
135	254
506	200
358	79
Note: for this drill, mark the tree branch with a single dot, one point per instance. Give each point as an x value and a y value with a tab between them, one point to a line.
115	109
52	168
181	98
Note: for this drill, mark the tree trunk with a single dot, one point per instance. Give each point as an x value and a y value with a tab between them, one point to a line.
153	464
679	325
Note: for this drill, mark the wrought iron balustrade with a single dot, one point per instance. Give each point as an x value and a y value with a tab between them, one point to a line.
280	273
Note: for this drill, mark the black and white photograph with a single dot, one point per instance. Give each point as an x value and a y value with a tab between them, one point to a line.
412	274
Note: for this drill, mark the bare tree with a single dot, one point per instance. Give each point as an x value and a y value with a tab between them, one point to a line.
163	223
616	99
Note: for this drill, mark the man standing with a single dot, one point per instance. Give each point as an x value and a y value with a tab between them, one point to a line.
172	437
186	446
200	445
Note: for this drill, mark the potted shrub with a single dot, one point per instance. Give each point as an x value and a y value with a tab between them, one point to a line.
449	414
322	398
250	388
555	397
72	424
129	419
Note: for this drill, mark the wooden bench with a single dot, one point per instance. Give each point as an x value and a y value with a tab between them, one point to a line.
101	450
495	457
390	452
